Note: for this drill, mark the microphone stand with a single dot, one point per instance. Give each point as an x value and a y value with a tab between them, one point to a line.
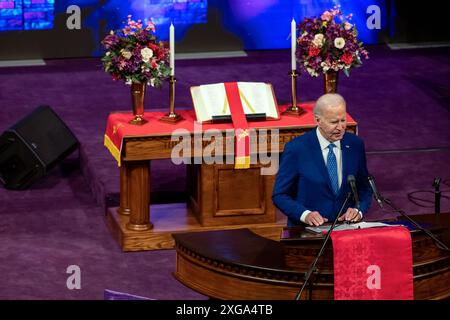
439	243
437	196
312	267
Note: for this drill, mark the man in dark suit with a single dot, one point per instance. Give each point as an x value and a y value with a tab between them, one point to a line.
311	184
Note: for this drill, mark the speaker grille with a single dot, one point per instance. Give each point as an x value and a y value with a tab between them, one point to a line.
30	148
46	135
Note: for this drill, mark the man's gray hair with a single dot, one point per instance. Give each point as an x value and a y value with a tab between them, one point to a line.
328	100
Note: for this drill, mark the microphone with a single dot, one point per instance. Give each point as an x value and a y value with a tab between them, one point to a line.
352	181
376	195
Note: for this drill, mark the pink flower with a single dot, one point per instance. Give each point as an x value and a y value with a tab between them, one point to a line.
150	26
326	16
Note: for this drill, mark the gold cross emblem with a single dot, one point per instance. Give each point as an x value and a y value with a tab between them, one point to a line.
116	127
242	134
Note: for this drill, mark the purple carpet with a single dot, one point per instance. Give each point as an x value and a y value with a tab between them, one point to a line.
400	99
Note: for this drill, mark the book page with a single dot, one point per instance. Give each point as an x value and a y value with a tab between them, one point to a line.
272	110
199	106
257	97
214	98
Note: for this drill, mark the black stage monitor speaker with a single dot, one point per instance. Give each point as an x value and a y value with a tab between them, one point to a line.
33	146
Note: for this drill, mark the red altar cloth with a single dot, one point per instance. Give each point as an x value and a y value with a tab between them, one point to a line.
118	127
373	264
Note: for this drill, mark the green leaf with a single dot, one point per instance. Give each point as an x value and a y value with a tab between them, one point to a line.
347	73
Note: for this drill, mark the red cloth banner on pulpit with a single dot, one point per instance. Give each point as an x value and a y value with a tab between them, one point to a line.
373	264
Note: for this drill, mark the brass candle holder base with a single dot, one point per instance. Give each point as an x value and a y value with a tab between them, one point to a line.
138	121
171	117
294	109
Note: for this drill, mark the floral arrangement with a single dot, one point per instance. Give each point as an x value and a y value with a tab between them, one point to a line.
135	55
325	44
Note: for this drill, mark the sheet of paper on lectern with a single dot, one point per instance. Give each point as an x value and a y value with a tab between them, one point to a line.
257	98
347	226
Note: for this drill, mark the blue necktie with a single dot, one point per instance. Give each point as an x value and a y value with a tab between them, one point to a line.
332	168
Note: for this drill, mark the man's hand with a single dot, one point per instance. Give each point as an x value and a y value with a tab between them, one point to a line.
352	215
315	219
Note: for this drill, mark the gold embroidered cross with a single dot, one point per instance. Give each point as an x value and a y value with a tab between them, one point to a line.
242	134
116	127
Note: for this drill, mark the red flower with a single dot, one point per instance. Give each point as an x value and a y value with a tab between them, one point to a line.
153	46
313	51
347	58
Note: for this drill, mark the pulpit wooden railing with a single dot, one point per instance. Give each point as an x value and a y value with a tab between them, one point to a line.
238	264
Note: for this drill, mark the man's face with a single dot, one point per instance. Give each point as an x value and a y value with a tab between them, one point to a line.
332	123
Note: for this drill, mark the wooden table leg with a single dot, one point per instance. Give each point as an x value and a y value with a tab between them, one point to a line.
124	207
139	195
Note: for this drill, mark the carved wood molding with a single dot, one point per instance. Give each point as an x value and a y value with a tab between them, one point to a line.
161	146
286	277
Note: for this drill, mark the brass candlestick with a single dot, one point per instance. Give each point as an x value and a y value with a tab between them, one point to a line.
171	117
294	109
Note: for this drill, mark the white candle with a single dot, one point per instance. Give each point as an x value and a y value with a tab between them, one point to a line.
172	49
293	44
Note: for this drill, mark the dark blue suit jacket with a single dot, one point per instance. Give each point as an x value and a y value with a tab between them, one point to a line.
303	183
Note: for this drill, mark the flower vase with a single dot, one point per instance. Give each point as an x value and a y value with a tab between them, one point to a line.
330	81
137	101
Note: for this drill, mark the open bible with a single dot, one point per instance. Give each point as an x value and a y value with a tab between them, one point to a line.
347	226
257	98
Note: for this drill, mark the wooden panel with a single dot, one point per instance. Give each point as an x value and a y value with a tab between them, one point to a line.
220	286
238	192
193	185
160	147
228	196
435	286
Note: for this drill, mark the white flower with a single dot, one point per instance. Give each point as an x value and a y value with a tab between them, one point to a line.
128	82
312	72
319	40
108	53
324	66
339	42
146	54
127	54
152	82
